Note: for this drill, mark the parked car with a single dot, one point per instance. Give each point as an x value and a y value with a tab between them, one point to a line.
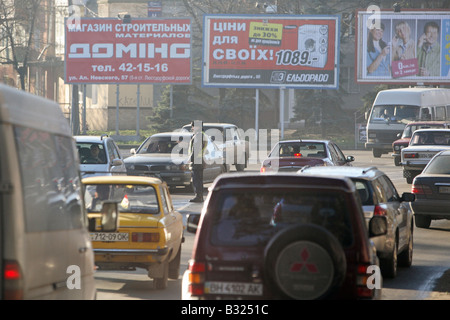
107	159
150	231
281	236
379	197
405	137
292	155
424	145
228	138
432	190
166	156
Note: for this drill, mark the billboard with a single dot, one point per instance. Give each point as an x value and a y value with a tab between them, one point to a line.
403	47
145	51
261	51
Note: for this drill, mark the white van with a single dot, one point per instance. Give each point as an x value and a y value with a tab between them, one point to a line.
394	108
45	248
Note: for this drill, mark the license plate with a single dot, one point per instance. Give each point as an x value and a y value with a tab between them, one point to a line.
234	288
109	236
427	155
444	189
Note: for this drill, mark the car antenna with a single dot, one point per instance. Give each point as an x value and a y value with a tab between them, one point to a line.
368	169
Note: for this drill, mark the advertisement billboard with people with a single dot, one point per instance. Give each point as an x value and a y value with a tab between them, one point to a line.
403	47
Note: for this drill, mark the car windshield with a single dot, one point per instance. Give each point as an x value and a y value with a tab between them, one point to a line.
394	113
91	153
299	149
246	218
430	138
164	145
438	165
131	198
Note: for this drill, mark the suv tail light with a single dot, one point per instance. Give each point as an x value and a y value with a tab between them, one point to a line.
196	278
379	211
362	277
12	276
411	155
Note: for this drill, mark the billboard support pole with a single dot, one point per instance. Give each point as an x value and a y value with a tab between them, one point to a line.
256	113
138	109
282	112
117	109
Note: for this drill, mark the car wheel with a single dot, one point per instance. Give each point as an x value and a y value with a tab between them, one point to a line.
409	180
161	283
389	265
397	161
377	153
241	167
422	221
405	257
304	262
174	266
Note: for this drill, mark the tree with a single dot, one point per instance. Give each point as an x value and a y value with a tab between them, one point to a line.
18	24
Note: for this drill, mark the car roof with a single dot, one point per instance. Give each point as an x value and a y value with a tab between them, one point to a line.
122	179
431	130
424	123
214	124
303	140
351	172
272	180
170	134
91	139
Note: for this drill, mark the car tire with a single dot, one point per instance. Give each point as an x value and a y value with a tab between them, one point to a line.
377	153
174	266
389	265
422	221
290	276
161	283
397	161
405	257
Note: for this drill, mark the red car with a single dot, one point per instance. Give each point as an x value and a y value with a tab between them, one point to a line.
283	236
292	155
403	142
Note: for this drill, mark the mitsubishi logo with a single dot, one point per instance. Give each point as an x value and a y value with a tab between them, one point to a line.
298	266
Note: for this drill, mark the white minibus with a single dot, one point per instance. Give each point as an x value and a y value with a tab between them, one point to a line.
394	108
45	247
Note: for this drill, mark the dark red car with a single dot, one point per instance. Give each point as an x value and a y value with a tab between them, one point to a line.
282	236
403	142
292	155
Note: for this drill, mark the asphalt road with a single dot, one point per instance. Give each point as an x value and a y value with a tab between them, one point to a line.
430	259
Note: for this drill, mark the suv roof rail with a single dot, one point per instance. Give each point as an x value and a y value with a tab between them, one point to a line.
103	136
365	170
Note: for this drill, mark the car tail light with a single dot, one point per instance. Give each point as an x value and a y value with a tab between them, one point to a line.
362	278
297	155
144	237
421	189
196	278
12	276
379	211
411	155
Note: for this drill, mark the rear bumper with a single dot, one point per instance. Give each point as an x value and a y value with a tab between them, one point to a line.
435	208
133	252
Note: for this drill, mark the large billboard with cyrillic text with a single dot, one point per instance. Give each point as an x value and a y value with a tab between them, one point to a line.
407	47
261	51
146	51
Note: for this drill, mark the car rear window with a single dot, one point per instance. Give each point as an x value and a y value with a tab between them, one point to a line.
249	218
131	198
299	149
439	165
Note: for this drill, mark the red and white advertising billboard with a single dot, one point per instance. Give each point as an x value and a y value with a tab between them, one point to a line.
146	51
261	51
403	47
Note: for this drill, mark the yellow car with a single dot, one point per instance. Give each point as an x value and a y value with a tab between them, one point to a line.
150	231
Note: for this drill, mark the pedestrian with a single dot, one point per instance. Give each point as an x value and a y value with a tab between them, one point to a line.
197	149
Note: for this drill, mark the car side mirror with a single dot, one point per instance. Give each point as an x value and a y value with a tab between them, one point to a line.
192	222
377	226
110	216
117	162
408	197
350	158
132	151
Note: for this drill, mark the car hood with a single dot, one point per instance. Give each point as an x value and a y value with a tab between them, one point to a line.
155	158
404	141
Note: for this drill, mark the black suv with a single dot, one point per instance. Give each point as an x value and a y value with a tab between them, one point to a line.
282	236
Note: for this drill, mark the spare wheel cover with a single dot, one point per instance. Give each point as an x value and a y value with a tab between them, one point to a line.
304	270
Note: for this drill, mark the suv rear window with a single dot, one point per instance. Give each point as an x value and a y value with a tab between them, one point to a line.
249	218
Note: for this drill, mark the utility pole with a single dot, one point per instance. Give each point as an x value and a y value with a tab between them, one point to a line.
75	114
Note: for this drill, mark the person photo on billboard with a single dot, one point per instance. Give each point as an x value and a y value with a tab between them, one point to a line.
403	46
428	50
378	53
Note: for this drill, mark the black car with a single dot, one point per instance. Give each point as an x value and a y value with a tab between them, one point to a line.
166	156
432	190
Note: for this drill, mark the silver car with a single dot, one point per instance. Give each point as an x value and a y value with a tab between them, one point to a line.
379	197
